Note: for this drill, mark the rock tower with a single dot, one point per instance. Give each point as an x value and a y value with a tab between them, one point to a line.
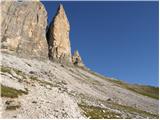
23	32
77	60
58	38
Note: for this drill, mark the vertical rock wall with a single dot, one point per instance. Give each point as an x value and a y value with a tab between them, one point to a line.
23	32
23	28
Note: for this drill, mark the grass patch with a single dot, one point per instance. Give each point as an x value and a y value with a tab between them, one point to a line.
34	78
152	92
20	73
98	112
149	91
40	81
129	112
145	90
11	92
132	110
5	69
9	69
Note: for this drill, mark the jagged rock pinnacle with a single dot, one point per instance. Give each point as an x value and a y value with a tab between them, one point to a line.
60	8
76	53
58	37
77	60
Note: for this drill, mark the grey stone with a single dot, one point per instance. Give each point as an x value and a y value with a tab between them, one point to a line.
23	29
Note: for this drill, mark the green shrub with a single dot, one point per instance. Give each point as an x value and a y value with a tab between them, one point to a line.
11	92
5	69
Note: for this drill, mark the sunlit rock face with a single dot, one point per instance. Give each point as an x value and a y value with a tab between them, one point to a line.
23	28
58	38
77	60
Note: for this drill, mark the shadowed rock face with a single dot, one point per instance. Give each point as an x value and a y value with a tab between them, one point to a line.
23	26
58	38
77	60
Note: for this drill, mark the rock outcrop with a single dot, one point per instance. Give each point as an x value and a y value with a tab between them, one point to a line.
58	38
23	28
77	60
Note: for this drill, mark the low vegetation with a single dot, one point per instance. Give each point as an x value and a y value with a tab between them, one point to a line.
128	112
98	112
132	110
5	69
149	91
9	69
42	82
18	72
11	92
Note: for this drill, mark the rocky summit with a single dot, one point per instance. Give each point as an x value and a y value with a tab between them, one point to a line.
32	87
77	60
58	37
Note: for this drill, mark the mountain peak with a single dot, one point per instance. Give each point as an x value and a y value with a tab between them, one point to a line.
76	53
61	10
59	41
77	60
61	7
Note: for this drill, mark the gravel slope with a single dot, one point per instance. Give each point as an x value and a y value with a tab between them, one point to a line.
57	91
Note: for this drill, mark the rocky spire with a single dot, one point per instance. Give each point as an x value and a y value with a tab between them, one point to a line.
77	60
58	37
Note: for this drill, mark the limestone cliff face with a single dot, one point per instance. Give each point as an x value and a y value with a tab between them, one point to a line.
23	28
58	38
77	60
23	32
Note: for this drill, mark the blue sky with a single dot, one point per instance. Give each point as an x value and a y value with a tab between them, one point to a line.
116	39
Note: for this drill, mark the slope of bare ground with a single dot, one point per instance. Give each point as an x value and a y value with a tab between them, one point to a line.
44	89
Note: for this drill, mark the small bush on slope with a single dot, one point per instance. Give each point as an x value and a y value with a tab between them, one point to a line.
11	92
